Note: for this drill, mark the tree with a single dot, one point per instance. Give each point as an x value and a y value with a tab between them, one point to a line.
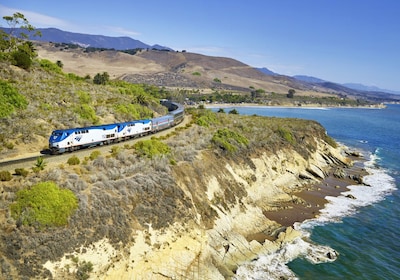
101	79
291	93
60	64
15	45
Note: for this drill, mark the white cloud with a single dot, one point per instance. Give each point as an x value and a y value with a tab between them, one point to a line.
122	31
36	19
206	50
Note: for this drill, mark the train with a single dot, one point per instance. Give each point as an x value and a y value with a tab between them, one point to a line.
72	139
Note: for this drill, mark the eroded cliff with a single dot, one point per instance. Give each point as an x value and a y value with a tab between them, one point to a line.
149	219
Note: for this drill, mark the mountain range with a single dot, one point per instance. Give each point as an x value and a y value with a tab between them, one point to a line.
163	66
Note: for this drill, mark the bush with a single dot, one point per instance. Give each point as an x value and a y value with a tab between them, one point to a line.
5	176
206	118
74	160
94	155
39	165
86	112
50	66
21	59
44	204
151	148
287	135
21	172
10	99
229	140
84	269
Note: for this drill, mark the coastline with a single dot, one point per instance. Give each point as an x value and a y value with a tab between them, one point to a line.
303	106
311	199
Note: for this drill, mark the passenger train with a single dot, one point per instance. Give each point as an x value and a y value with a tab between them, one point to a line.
68	140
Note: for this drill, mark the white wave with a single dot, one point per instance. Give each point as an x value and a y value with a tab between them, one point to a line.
378	184
273	266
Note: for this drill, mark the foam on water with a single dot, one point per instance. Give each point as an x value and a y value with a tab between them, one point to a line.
273	266
378	184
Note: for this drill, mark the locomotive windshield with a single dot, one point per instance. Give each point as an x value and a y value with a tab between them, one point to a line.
56	133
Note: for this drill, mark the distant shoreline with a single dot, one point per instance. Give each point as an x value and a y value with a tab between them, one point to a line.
309	106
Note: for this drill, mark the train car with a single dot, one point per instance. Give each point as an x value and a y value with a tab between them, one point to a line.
67	140
133	129
161	123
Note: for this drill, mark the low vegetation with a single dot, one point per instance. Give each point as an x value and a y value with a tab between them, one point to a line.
43	205
151	148
229	140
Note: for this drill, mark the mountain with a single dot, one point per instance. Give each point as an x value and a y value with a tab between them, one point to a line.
354	86
308	79
369	88
86	40
267	71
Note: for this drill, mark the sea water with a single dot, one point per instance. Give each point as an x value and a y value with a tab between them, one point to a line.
363	231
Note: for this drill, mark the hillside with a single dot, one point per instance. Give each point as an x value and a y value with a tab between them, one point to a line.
183	70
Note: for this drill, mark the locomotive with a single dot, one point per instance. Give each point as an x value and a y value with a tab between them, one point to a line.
71	139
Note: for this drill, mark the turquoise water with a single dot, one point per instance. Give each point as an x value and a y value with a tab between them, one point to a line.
365	231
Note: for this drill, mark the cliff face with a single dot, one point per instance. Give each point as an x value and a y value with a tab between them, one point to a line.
198	213
227	198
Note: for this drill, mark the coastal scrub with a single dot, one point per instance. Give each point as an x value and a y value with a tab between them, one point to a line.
44	204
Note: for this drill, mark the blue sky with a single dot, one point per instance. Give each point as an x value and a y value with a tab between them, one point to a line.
341	41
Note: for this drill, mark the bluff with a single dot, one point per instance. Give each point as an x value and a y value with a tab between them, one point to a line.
187	215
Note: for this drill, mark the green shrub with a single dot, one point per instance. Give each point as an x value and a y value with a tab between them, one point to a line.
206	118
10	99
196	73
86	112
287	135
50	66
151	148
115	150
229	140
330	141
83	270
133	111
5	176
39	165
44	204
21	172
74	160
94	155
21	59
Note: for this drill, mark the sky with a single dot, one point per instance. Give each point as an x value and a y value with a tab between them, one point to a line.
342	41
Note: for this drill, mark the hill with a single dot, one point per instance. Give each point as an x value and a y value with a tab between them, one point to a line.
191	72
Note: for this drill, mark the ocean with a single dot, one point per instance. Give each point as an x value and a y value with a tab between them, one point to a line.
363	231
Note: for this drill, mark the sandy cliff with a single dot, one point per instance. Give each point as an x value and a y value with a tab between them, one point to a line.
214	243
